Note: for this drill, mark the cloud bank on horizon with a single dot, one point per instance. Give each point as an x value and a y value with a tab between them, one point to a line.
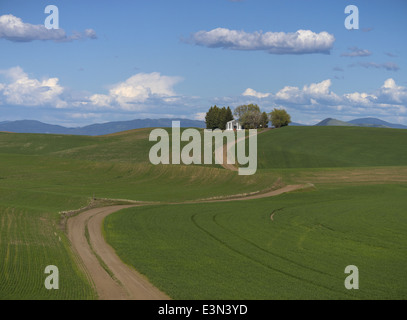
153	91
387	99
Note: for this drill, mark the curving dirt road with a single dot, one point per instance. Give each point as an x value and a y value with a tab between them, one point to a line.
122	282
112	278
221	153
129	284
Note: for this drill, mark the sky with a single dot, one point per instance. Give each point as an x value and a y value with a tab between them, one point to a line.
122	60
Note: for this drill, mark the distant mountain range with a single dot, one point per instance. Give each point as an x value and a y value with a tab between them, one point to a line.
32	126
334	122
362	122
373	122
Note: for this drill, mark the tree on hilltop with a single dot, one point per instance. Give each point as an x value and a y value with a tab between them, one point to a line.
216	118
279	118
249	115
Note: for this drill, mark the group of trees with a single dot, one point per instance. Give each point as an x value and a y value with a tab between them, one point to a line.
249	116
216	118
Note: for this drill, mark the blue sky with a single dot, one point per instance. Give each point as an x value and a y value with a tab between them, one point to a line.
122	60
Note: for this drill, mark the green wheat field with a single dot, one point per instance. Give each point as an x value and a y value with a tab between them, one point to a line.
292	246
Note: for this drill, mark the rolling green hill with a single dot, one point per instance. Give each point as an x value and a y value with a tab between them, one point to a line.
41	175
327	147
234	250
114	166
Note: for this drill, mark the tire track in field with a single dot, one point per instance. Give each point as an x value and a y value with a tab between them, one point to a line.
266	251
256	260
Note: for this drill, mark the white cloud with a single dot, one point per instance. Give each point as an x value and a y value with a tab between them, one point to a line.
22	90
252	93
133	92
393	93
320	89
290	94
388	100
363	99
390	84
299	42
143	92
14	29
100	100
310	94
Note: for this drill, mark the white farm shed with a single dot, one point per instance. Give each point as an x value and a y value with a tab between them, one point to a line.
233	125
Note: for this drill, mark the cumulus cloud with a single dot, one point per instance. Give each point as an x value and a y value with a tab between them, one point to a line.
393	93
389	99
14	29
141	92
356	52
299	42
309	94
360	98
252	93
23	90
136	90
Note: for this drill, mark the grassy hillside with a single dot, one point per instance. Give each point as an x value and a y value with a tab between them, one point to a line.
129	146
41	175
87	169
326	147
30	240
125	146
236	251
